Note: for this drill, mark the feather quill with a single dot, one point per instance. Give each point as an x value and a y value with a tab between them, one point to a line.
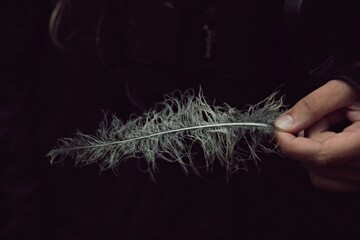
171	129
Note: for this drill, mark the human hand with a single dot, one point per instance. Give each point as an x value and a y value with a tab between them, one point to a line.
331	158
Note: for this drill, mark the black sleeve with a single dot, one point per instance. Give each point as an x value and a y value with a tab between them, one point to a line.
335	68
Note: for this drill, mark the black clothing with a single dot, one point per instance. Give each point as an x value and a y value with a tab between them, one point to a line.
48	93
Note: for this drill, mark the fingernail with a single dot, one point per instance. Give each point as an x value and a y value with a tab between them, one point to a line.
285	122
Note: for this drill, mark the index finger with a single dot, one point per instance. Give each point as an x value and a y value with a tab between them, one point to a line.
340	149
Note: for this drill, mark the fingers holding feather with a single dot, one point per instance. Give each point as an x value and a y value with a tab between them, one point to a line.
300	148
322	149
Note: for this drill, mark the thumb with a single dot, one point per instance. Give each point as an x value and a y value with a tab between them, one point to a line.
332	96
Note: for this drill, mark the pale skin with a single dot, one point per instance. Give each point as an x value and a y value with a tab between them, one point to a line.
331	158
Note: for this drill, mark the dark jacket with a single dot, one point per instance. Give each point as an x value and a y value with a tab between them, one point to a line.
48	93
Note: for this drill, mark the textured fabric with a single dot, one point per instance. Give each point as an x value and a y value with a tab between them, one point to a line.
47	93
332	69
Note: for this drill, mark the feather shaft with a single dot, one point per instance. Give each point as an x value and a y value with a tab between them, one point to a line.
244	124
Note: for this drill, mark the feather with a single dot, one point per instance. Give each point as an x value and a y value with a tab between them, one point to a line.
171	130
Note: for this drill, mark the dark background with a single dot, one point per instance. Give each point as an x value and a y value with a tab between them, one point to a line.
121	57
